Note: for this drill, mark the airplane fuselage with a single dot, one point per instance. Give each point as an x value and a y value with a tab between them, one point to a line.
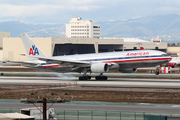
124	59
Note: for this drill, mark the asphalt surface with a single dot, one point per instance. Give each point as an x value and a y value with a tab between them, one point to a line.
111	82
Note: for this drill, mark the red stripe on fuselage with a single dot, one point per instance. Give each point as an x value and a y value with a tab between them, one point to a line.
136	60
50	66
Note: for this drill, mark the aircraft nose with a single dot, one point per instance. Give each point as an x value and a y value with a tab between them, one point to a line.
170	58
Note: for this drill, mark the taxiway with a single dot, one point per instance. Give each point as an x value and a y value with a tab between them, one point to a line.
102	106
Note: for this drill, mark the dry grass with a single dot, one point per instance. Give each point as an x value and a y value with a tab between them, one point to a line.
137	95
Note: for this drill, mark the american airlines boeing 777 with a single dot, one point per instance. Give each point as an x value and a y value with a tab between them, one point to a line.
125	61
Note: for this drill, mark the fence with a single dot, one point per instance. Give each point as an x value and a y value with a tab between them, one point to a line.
96	115
6	110
101	115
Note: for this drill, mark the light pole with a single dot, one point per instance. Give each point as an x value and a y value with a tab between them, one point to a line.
124	48
139	44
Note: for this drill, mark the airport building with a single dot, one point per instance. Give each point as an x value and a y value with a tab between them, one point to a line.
3	34
78	28
134	44
54	46
173	51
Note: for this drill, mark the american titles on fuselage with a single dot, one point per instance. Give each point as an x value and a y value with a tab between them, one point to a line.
137	54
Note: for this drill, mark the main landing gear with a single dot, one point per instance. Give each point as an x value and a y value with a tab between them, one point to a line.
85	78
101	77
89	78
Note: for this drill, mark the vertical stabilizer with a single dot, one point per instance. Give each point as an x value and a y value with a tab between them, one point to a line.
31	48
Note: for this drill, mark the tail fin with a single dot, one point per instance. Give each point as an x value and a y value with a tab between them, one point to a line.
31	48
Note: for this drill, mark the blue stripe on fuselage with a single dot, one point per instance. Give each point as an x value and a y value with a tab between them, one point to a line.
46	63
116	58
124	58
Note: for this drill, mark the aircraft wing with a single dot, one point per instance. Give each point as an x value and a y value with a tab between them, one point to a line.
6	63
18	62
64	62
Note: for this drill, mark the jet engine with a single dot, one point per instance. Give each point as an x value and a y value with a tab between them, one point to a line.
128	70
99	68
172	65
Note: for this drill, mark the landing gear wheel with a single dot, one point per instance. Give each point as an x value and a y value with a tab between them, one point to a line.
80	78
157	72
89	77
85	78
101	77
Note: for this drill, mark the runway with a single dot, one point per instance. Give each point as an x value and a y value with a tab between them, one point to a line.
92	74
111	82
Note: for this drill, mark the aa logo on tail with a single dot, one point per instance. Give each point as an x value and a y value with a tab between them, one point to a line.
33	50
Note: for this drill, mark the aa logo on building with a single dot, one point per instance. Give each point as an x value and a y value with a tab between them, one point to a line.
33	50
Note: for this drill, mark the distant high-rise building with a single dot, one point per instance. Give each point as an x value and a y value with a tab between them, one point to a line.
156	40
78	28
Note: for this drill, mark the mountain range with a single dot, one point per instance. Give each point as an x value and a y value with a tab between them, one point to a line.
39	30
166	27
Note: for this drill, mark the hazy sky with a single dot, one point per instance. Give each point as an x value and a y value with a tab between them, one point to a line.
61	11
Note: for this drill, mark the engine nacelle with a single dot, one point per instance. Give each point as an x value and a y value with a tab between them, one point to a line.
128	70
172	65
99	68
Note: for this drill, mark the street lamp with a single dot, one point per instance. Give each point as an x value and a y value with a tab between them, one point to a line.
124	48
139	44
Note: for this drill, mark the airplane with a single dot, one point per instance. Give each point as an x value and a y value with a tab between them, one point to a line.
124	61
175	61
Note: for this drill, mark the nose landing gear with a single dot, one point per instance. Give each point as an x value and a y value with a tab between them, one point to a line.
157	71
